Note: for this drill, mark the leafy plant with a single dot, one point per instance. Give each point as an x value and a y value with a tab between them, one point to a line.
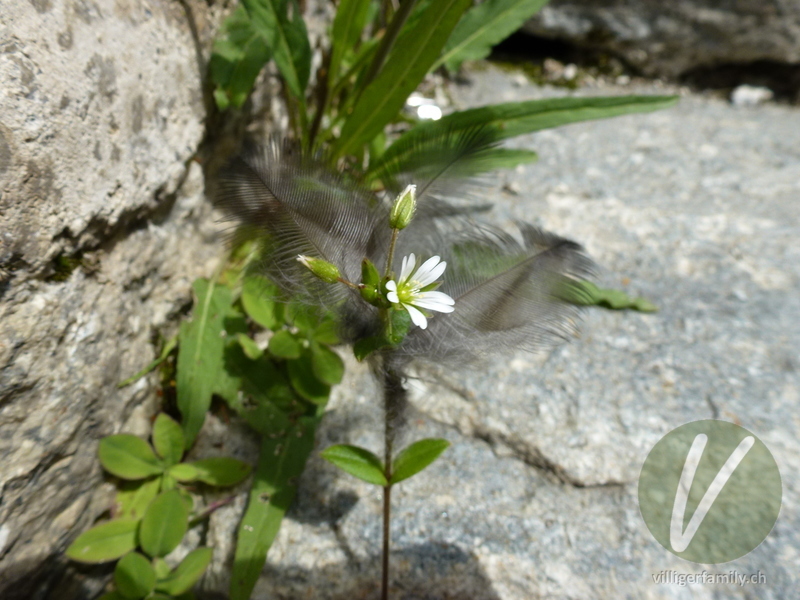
153	512
260	333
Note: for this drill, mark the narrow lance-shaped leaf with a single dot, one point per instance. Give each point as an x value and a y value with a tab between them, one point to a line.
287	37
416	457
221	471
586	293
201	371
348	23
416	49
359	462
239	54
485	25
128	457
281	461
492	124
133	497
105	542
165	352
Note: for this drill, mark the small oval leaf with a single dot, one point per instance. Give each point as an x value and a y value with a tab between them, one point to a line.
128	457
416	457
326	364
250	348
357	461
134	576
187	573
168	439
133	497
184	472
284	345
105	542
164	524
257	295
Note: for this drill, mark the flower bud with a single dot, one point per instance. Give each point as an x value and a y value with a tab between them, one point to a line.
321	268
404	207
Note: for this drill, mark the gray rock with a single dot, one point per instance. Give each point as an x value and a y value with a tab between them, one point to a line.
750	95
103	226
670	38
693	207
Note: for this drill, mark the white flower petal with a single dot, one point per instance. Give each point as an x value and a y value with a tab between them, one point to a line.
424	273
391	285
416	316
436	297
409	262
433	305
393	297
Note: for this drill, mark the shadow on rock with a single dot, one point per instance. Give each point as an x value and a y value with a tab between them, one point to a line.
431	571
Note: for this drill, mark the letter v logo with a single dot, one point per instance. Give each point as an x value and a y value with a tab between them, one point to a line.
678	539
710	491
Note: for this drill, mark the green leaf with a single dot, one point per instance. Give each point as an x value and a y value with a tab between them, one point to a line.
164	524
417	48
221	471
237	58
492	159
105	542
416	457
251	349
284	345
161	568
326	364
201	368
264	395
366	346
280	463
128	457
586	293
133	497
350	19
187	573
357	461
112	596
168	439
134	576
503	121
484	26
287	37
326	332
165	351
258	295
304	381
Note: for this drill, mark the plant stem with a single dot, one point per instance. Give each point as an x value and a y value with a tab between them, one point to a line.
394	398
390	257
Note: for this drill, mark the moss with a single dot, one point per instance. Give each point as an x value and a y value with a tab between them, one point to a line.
63	266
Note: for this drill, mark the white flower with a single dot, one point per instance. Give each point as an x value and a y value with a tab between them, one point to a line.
413	290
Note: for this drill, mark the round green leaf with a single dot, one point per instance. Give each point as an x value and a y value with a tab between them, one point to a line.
187	573
284	345
168	439
134	576
359	462
164	524
326	364
105	542
257	295
416	457
128	457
